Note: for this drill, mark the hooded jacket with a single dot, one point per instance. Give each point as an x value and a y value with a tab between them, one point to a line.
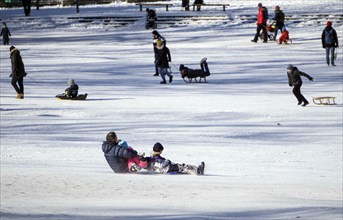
116	156
18	69
294	77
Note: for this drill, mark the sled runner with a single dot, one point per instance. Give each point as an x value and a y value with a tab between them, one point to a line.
79	97
325	100
189	79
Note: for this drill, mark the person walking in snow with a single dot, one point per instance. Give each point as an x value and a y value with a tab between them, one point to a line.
5	33
294	80
159	164
262	17
162	61
329	42
279	18
156	36
18	72
27	7
185	4
116	154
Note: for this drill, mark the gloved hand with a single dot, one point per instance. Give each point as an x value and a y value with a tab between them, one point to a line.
311	79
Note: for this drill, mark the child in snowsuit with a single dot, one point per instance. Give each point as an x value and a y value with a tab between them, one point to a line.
72	90
191	73
159	164
294	79
135	163
284	37
5	33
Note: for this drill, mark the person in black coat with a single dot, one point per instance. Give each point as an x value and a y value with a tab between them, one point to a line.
72	90
294	79
279	18
162	61
18	72
27	7
5	33
117	155
329	42
156	36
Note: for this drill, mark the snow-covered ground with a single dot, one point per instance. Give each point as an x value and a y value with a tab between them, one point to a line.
266	157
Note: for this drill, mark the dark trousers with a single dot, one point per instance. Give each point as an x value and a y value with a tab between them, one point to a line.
258	31
156	67
6	40
27	7
278	26
20	82
298	95
204	67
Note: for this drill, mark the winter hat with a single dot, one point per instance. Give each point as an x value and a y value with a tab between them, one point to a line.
290	66
71	82
157	147
259	5
329	23
181	67
11	48
154	32
111	137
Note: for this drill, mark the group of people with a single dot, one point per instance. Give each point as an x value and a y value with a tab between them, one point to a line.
122	158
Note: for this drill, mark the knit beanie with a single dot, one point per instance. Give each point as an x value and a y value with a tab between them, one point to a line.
329	23
71	82
157	147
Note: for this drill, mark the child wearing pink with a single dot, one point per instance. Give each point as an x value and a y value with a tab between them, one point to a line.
135	163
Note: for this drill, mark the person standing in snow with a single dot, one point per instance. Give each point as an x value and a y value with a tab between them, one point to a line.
159	164
27	7
279	18
156	36
116	154
329	42
294	79
262	17
5	33
18	72
185	4
162	61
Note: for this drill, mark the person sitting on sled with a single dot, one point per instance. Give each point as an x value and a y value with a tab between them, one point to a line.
159	164
72	90
194	73
284	37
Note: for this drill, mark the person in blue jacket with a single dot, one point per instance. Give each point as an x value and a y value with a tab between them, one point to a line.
116	154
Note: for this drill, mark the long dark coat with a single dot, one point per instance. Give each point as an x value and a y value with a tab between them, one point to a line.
18	69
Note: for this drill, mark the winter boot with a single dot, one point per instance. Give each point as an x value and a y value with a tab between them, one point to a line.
163	82
170	79
201	169
203	60
20	96
305	103
156	74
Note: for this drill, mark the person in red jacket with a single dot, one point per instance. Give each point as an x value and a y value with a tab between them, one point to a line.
262	17
284	37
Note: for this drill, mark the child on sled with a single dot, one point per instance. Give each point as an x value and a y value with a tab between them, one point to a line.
159	164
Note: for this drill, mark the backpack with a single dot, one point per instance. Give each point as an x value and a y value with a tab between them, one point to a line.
265	12
328	36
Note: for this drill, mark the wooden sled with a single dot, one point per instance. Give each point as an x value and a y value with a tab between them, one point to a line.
79	97
325	100
189	80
